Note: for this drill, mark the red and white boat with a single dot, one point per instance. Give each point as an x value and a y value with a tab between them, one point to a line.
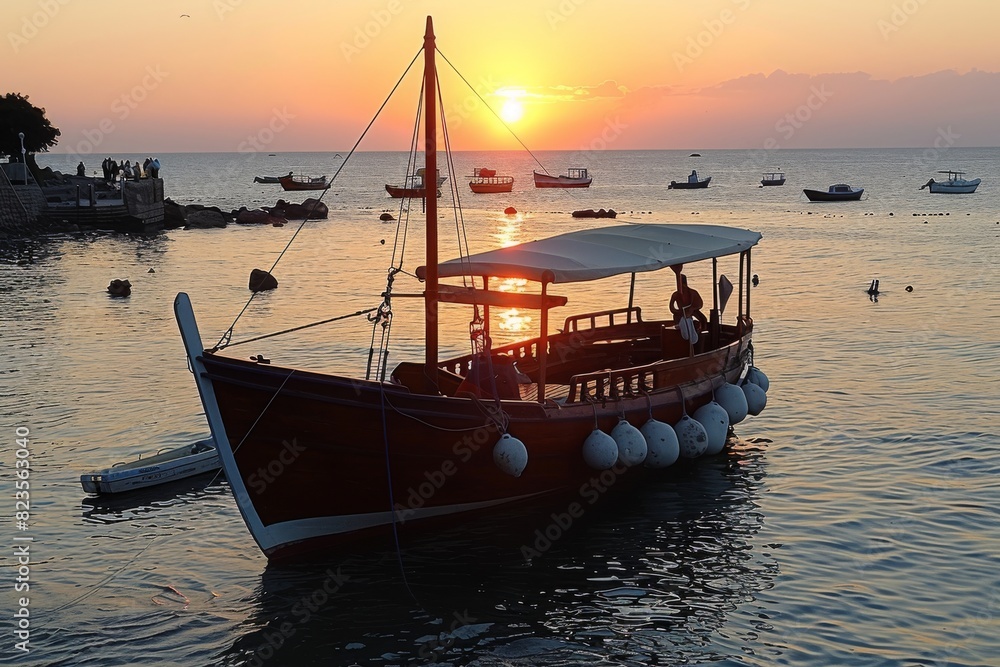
435	439
486	181
574	178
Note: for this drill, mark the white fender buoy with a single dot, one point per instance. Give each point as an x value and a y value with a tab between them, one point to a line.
756	398
715	419
510	455
632	448
600	451
691	437
732	398
757	376
661	444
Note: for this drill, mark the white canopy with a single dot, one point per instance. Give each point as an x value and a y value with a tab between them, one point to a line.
590	254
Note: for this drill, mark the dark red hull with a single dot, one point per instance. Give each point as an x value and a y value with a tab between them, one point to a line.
289	183
318	455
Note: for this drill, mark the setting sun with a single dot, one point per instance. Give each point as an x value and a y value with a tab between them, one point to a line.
511	111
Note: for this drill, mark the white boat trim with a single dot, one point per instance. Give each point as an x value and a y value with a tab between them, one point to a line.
299	530
188	326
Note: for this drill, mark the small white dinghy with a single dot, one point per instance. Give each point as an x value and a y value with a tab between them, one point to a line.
164	466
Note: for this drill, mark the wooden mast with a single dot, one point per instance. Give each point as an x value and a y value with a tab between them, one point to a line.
430	181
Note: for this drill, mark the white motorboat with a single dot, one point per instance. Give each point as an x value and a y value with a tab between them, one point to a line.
954	185
164	466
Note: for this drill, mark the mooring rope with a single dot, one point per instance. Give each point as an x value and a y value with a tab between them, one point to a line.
293	329
229	332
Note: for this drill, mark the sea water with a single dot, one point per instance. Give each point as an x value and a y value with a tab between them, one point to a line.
855	522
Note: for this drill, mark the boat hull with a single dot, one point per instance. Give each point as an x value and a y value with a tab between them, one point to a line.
821	195
161	468
547	181
766	182
437	450
687	185
407	193
491	185
963	188
290	184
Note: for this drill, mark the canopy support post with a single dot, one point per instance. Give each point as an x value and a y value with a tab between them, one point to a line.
631	296
714	316
543	345
739	310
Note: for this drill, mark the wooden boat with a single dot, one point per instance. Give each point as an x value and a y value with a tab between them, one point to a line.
773	178
162	467
291	182
268	179
838	192
435	439
955	184
691	183
414	186
574	178
486	181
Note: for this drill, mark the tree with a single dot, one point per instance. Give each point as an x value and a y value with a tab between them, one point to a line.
18	115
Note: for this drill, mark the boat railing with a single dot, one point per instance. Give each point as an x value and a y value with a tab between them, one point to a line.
611	384
572	323
492	180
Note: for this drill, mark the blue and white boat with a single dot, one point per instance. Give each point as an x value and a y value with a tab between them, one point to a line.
955	184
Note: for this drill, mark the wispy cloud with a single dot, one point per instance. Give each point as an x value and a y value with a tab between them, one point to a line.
826	110
585	93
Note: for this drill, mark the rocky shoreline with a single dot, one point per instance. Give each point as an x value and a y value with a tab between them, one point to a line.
197	216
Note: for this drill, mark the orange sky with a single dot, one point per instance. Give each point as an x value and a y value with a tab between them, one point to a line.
238	75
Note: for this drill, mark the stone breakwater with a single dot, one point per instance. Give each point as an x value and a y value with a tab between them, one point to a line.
196	216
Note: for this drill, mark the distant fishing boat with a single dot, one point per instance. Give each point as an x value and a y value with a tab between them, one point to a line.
955	185
691	183
164	466
268	179
413	187
773	178
574	178
291	182
838	192
486	181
